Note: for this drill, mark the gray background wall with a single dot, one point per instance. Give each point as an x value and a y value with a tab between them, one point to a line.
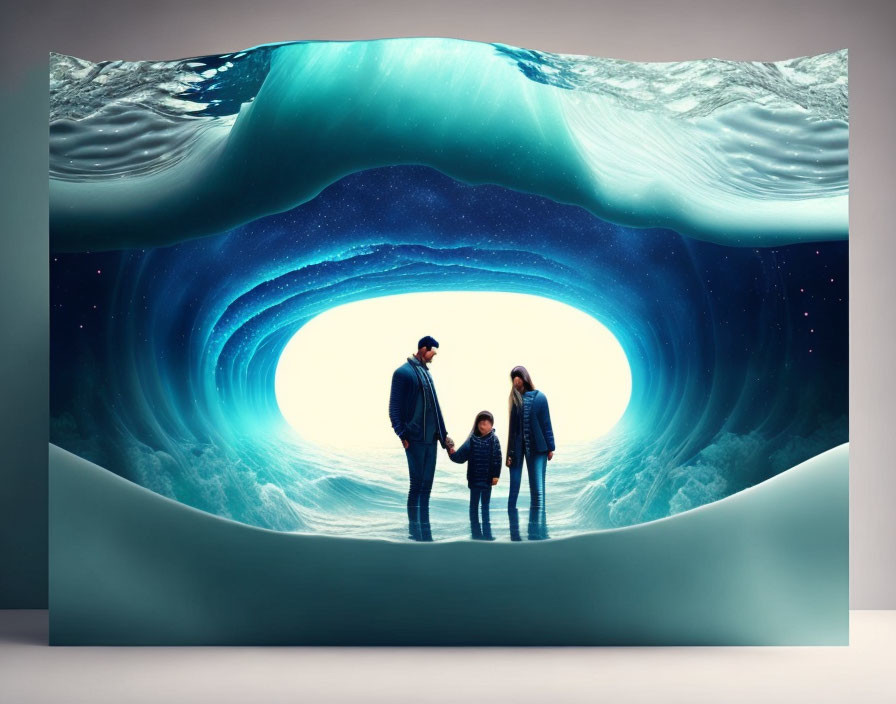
640	30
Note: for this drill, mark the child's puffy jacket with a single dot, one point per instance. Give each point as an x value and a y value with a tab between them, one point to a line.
483	457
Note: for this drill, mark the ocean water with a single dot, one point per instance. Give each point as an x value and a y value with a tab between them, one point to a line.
202	210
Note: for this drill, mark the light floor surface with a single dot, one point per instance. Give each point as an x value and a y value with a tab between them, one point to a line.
862	673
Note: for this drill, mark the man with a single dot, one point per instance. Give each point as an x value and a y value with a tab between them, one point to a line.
417	420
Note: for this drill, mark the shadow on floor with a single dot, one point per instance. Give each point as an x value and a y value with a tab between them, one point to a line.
24	626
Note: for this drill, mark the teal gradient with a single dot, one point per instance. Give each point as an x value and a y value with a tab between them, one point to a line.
766	566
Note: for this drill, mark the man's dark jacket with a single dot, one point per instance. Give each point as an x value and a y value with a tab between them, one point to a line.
406	387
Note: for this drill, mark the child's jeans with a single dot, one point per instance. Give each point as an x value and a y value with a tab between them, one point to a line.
480	495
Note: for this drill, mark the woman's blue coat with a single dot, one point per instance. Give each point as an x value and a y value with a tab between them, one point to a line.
540	432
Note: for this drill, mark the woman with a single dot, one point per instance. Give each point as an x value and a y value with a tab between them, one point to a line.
530	436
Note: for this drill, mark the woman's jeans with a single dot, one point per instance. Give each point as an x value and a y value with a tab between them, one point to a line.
536	464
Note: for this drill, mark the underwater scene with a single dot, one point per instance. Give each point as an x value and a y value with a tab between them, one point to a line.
207	213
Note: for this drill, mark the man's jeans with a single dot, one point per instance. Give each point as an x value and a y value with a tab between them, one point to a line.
536	464
421	470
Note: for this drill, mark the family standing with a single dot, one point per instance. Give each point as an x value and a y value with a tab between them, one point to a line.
417	420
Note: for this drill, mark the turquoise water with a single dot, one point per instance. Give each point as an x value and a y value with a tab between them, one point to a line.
203	210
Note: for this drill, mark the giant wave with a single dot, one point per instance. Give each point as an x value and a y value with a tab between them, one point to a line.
163	357
765	168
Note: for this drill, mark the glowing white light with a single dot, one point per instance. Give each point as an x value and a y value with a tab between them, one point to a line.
334	376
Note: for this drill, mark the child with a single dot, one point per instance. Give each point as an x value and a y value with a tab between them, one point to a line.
482	453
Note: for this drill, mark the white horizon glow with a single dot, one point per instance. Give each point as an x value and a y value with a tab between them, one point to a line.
333	379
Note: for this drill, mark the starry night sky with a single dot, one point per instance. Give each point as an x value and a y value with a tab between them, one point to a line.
416	204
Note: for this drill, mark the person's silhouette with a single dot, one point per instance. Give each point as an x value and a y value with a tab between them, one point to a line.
416	418
481	451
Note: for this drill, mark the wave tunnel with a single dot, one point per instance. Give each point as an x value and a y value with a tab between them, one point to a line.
204	211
